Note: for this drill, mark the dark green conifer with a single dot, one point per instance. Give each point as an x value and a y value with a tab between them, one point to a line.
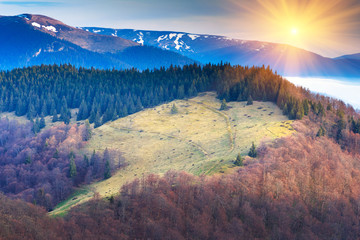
88	131
250	101
223	105
55	116
239	161
321	132
97	122
174	109
72	170
83	111
253	152
107	171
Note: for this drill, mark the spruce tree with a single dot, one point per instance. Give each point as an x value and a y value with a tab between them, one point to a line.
306	107
321	110
83	111
174	109
31	112
321	132
42	123
64	115
92	116
115	116
86	161
44	111
36	126
139	105
72	170
107	171
88	131
93	158
250	101
253	152
55	117
239	160
97	121
223	105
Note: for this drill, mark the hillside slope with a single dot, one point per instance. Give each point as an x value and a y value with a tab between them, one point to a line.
199	139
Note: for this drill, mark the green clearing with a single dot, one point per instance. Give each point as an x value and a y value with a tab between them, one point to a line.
199	139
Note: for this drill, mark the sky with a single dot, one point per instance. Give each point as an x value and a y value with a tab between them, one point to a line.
328	27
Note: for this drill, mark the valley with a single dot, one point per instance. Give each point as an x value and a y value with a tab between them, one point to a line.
346	90
199	139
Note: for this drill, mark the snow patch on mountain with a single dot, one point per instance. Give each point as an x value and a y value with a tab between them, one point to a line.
114	34
171	35
178	44
162	37
49	28
141	38
96	31
35	24
193	36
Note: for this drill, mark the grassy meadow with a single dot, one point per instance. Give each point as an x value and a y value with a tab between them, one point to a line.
199	139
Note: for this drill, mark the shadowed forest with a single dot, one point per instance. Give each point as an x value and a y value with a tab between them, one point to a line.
44	169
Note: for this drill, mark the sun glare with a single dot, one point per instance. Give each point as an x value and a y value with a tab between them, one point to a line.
305	24
294	31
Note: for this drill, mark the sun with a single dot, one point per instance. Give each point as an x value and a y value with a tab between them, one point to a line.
294	31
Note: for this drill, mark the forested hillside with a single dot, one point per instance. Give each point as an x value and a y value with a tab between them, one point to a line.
299	188
103	95
305	186
44	169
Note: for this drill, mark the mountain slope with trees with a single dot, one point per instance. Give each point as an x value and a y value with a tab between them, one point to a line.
107	95
301	187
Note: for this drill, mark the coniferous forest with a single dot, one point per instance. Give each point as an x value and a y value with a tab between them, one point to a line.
103	95
303	186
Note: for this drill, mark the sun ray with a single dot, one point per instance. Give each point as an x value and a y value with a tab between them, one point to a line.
309	24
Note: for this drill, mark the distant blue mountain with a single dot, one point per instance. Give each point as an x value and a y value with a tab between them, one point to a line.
285	59
28	40
351	56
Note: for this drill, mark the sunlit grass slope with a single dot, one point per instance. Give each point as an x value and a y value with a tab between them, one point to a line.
199	139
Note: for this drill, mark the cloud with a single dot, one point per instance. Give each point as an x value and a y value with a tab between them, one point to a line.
30	4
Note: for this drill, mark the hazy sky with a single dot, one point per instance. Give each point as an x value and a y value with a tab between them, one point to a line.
328	27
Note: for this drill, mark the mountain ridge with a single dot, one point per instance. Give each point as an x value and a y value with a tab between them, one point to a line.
214	48
350	56
29	40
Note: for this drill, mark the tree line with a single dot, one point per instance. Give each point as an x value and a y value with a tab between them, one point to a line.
105	95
